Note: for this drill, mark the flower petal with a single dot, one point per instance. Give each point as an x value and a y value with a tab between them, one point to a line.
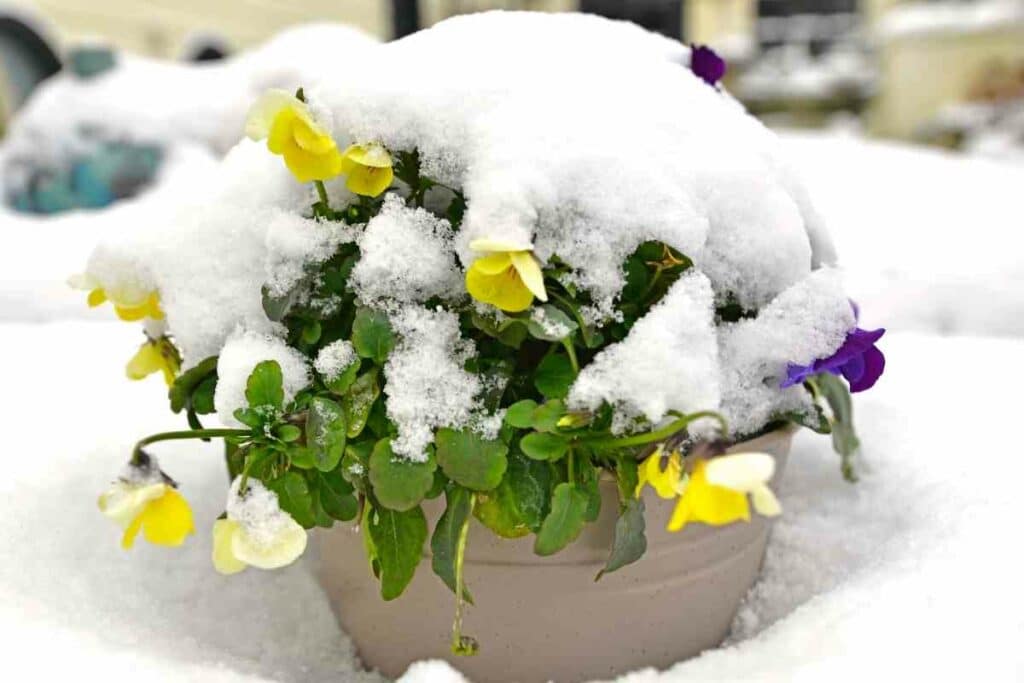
369	181
765	501
529	270
874	366
282	550
224	560
740	471
492	264
372	154
145	362
487	244
167	520
264	111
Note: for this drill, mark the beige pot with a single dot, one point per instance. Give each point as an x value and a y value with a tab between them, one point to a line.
544	618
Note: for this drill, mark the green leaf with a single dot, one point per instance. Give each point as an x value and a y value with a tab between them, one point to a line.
372	336
519	504
250	418
340	384
398	483
188	381
547	415
359	400
520	414
445	541
630	537
554	321
311	332
294	498
469	460
565	521
554	376
202	396
355	464
336	495
544	446
844	438
395	543
265	386
590	484
288	433
277	307
815	420
326	432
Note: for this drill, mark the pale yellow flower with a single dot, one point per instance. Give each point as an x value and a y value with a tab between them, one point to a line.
369	169
508	277
284	120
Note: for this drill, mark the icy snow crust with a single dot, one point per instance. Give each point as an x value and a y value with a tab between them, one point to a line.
584	152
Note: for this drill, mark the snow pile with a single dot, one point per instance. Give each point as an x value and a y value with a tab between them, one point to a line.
258	512
806	318
672	348
405	255
948	16
911	571
929	240
427	385
585	177
146	100
241	353
334	359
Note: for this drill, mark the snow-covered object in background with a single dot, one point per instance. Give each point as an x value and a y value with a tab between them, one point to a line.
544	157
150	105
915	20
240	355
674	346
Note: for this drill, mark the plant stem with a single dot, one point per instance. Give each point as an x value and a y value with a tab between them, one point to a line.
322	191
190	434
653	436
462	645
571	460
571	350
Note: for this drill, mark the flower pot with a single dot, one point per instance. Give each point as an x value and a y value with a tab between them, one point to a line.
545	618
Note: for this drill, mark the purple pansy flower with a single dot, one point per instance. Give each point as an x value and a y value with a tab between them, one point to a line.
858	360
706	64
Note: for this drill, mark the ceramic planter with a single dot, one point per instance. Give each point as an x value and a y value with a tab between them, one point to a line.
544	618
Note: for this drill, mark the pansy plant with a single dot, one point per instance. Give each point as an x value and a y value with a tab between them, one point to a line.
326	455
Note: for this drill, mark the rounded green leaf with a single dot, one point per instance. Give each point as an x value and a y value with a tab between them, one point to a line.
398	483
544	446
326	429
470	460
372	336
554	376
520	414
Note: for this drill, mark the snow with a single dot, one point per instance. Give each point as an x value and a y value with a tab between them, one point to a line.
794	328
912	571
243	352
917	20
669	360
427	385
334	359
405	255
258	512
929	239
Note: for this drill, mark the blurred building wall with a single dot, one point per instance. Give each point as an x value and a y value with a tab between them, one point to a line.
925	68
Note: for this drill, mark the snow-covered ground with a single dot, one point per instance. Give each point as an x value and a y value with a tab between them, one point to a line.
911	573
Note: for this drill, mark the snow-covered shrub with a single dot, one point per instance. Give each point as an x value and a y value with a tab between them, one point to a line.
492	275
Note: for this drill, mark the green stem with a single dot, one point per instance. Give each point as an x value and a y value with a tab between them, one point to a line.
190	434
571	460
322	191
462	645
654	436
652	283
571	350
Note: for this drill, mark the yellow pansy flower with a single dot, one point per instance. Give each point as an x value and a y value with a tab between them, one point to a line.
130	303
284	120
508	277
667	483
155	355
235	548
154	507
716	491
369	169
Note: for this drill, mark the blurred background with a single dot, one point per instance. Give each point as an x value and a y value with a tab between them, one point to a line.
947	73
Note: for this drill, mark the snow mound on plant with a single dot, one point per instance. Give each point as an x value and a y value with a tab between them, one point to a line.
240	355
673	346
583	152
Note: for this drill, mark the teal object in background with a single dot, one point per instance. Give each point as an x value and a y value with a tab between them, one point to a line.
111	171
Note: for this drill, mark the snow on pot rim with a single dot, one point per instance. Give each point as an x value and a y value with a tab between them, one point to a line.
552	258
